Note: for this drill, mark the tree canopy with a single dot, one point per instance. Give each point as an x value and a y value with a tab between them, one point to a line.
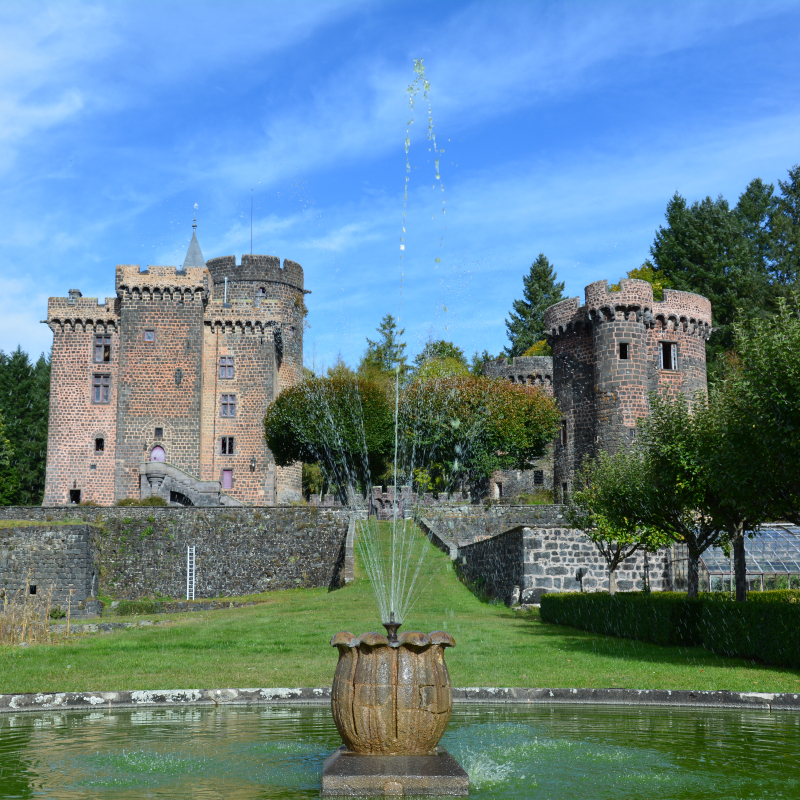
540	290
345	424
464	428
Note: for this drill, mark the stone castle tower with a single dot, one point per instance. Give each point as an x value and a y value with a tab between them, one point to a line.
609	354
163	388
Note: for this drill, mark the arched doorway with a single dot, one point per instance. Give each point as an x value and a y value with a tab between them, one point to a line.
158	454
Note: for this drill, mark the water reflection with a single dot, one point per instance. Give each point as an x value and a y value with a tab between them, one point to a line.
510	752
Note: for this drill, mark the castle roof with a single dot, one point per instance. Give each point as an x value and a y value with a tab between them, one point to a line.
194	256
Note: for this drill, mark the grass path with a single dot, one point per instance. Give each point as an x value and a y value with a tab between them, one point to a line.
283	641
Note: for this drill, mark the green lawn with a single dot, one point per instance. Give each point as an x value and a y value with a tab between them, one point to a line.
283	641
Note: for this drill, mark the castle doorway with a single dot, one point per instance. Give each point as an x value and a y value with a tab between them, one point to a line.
158	454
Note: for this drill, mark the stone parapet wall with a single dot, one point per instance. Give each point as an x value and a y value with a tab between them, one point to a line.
140	552
468	523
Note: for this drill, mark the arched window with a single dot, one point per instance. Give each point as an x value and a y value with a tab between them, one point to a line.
158	454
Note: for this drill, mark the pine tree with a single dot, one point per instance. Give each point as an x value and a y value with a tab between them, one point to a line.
385	354
8	477
785	230
704	249
526	321
25	404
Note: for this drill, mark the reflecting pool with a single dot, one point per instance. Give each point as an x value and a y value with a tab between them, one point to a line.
586	752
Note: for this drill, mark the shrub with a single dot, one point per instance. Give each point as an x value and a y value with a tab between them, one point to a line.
766	631
669	618
779	596
148	501
133	608
56	612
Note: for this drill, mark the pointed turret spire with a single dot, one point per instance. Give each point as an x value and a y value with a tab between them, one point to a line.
194	256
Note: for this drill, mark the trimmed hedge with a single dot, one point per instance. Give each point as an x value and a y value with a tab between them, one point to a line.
765	630
663	618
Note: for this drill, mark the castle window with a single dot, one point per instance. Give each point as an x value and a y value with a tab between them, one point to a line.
538	477
669	355
632	433
226	446
99	445
159	433
74	498
563	431
101	389
102	349
226	367
623	351
227	479
229	405
32	588
499	490
149	336
261	292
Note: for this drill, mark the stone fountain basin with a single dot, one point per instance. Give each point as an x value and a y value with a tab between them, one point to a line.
392	698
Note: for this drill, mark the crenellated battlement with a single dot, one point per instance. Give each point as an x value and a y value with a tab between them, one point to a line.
82	313
256	269
156	283
634	301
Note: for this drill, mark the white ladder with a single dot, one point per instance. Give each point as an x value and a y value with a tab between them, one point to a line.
190	572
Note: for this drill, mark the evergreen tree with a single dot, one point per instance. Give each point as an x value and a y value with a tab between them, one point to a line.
477	362
785	230
8	478
704	249
25	403
526	321
386	353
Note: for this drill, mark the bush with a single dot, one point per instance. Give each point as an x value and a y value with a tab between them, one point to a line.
133	608
57	612
764	630
148	501
665	618
779	596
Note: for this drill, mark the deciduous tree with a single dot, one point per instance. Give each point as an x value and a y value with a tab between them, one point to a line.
465	428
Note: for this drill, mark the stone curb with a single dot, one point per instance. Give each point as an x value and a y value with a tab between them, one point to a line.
63	701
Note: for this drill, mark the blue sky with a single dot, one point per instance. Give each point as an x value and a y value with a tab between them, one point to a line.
566	128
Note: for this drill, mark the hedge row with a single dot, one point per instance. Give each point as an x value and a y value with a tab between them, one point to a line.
765	630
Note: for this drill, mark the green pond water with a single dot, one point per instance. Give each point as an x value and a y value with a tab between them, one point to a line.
562	752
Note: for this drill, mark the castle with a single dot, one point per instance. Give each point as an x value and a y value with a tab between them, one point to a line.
162	389
609	354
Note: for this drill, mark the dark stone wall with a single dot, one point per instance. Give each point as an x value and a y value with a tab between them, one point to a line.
494	566
141	552
57	556
532	548
467	524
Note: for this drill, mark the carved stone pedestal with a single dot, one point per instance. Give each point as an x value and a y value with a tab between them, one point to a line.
347	774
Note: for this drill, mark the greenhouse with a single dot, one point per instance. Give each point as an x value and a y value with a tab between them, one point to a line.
772	556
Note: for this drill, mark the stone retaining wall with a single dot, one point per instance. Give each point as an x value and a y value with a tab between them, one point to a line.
520	552
138	552
44	556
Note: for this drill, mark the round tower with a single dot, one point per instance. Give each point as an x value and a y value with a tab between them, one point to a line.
610	354
254	345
